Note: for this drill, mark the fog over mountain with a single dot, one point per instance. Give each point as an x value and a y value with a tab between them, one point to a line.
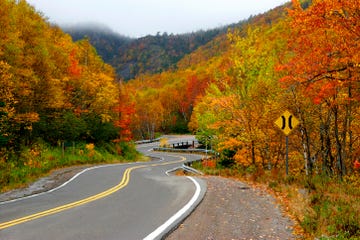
133	56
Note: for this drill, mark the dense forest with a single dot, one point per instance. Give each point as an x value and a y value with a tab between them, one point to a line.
227	86
49	82
303	58
146	55
106	42
54	92
304	61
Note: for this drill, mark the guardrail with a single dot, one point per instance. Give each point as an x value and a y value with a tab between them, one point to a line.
185	168
182	145
191	150
147	141
187	165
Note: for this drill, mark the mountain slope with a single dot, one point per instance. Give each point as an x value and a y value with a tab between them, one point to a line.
101	37
154	54
149	54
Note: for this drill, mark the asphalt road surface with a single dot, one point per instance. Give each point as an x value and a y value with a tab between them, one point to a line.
123	201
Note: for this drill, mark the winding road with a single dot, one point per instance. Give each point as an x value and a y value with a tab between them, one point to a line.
122	201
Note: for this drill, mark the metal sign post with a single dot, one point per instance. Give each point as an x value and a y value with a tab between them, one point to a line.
287	122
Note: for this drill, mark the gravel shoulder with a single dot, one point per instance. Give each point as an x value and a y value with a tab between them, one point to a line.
230	210
234	210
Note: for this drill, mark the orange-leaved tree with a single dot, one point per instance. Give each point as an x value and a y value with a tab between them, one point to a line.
325	68
125	109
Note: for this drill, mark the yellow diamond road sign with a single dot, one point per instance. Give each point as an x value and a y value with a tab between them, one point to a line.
287	122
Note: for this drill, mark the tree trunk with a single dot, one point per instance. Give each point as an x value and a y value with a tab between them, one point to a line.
339	149
327	157
253	152
305	143
347	128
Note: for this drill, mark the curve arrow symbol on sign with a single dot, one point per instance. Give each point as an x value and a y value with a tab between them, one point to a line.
287	122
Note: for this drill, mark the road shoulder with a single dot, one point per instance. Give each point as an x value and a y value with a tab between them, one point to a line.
234	210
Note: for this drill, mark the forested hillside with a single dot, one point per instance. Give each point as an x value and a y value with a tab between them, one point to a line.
146	55
234	88
53	91
49	81
176	92
106	42
227	86
304	59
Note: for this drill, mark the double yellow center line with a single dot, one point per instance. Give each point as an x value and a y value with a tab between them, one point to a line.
124	182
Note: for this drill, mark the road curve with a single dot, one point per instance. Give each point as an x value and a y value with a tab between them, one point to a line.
122	201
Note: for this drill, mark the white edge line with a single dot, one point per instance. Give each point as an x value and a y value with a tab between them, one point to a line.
57	188
67	182
177	215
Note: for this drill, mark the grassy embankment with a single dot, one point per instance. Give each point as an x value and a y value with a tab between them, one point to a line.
40	159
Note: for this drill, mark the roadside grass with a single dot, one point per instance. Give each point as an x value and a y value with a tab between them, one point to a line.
322	207
40	159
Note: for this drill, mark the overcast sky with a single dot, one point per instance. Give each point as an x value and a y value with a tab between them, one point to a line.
136	18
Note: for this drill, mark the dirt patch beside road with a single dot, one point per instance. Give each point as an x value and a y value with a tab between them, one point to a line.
233	210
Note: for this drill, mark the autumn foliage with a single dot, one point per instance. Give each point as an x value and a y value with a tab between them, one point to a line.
303	57
52	88
229	92
124	109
